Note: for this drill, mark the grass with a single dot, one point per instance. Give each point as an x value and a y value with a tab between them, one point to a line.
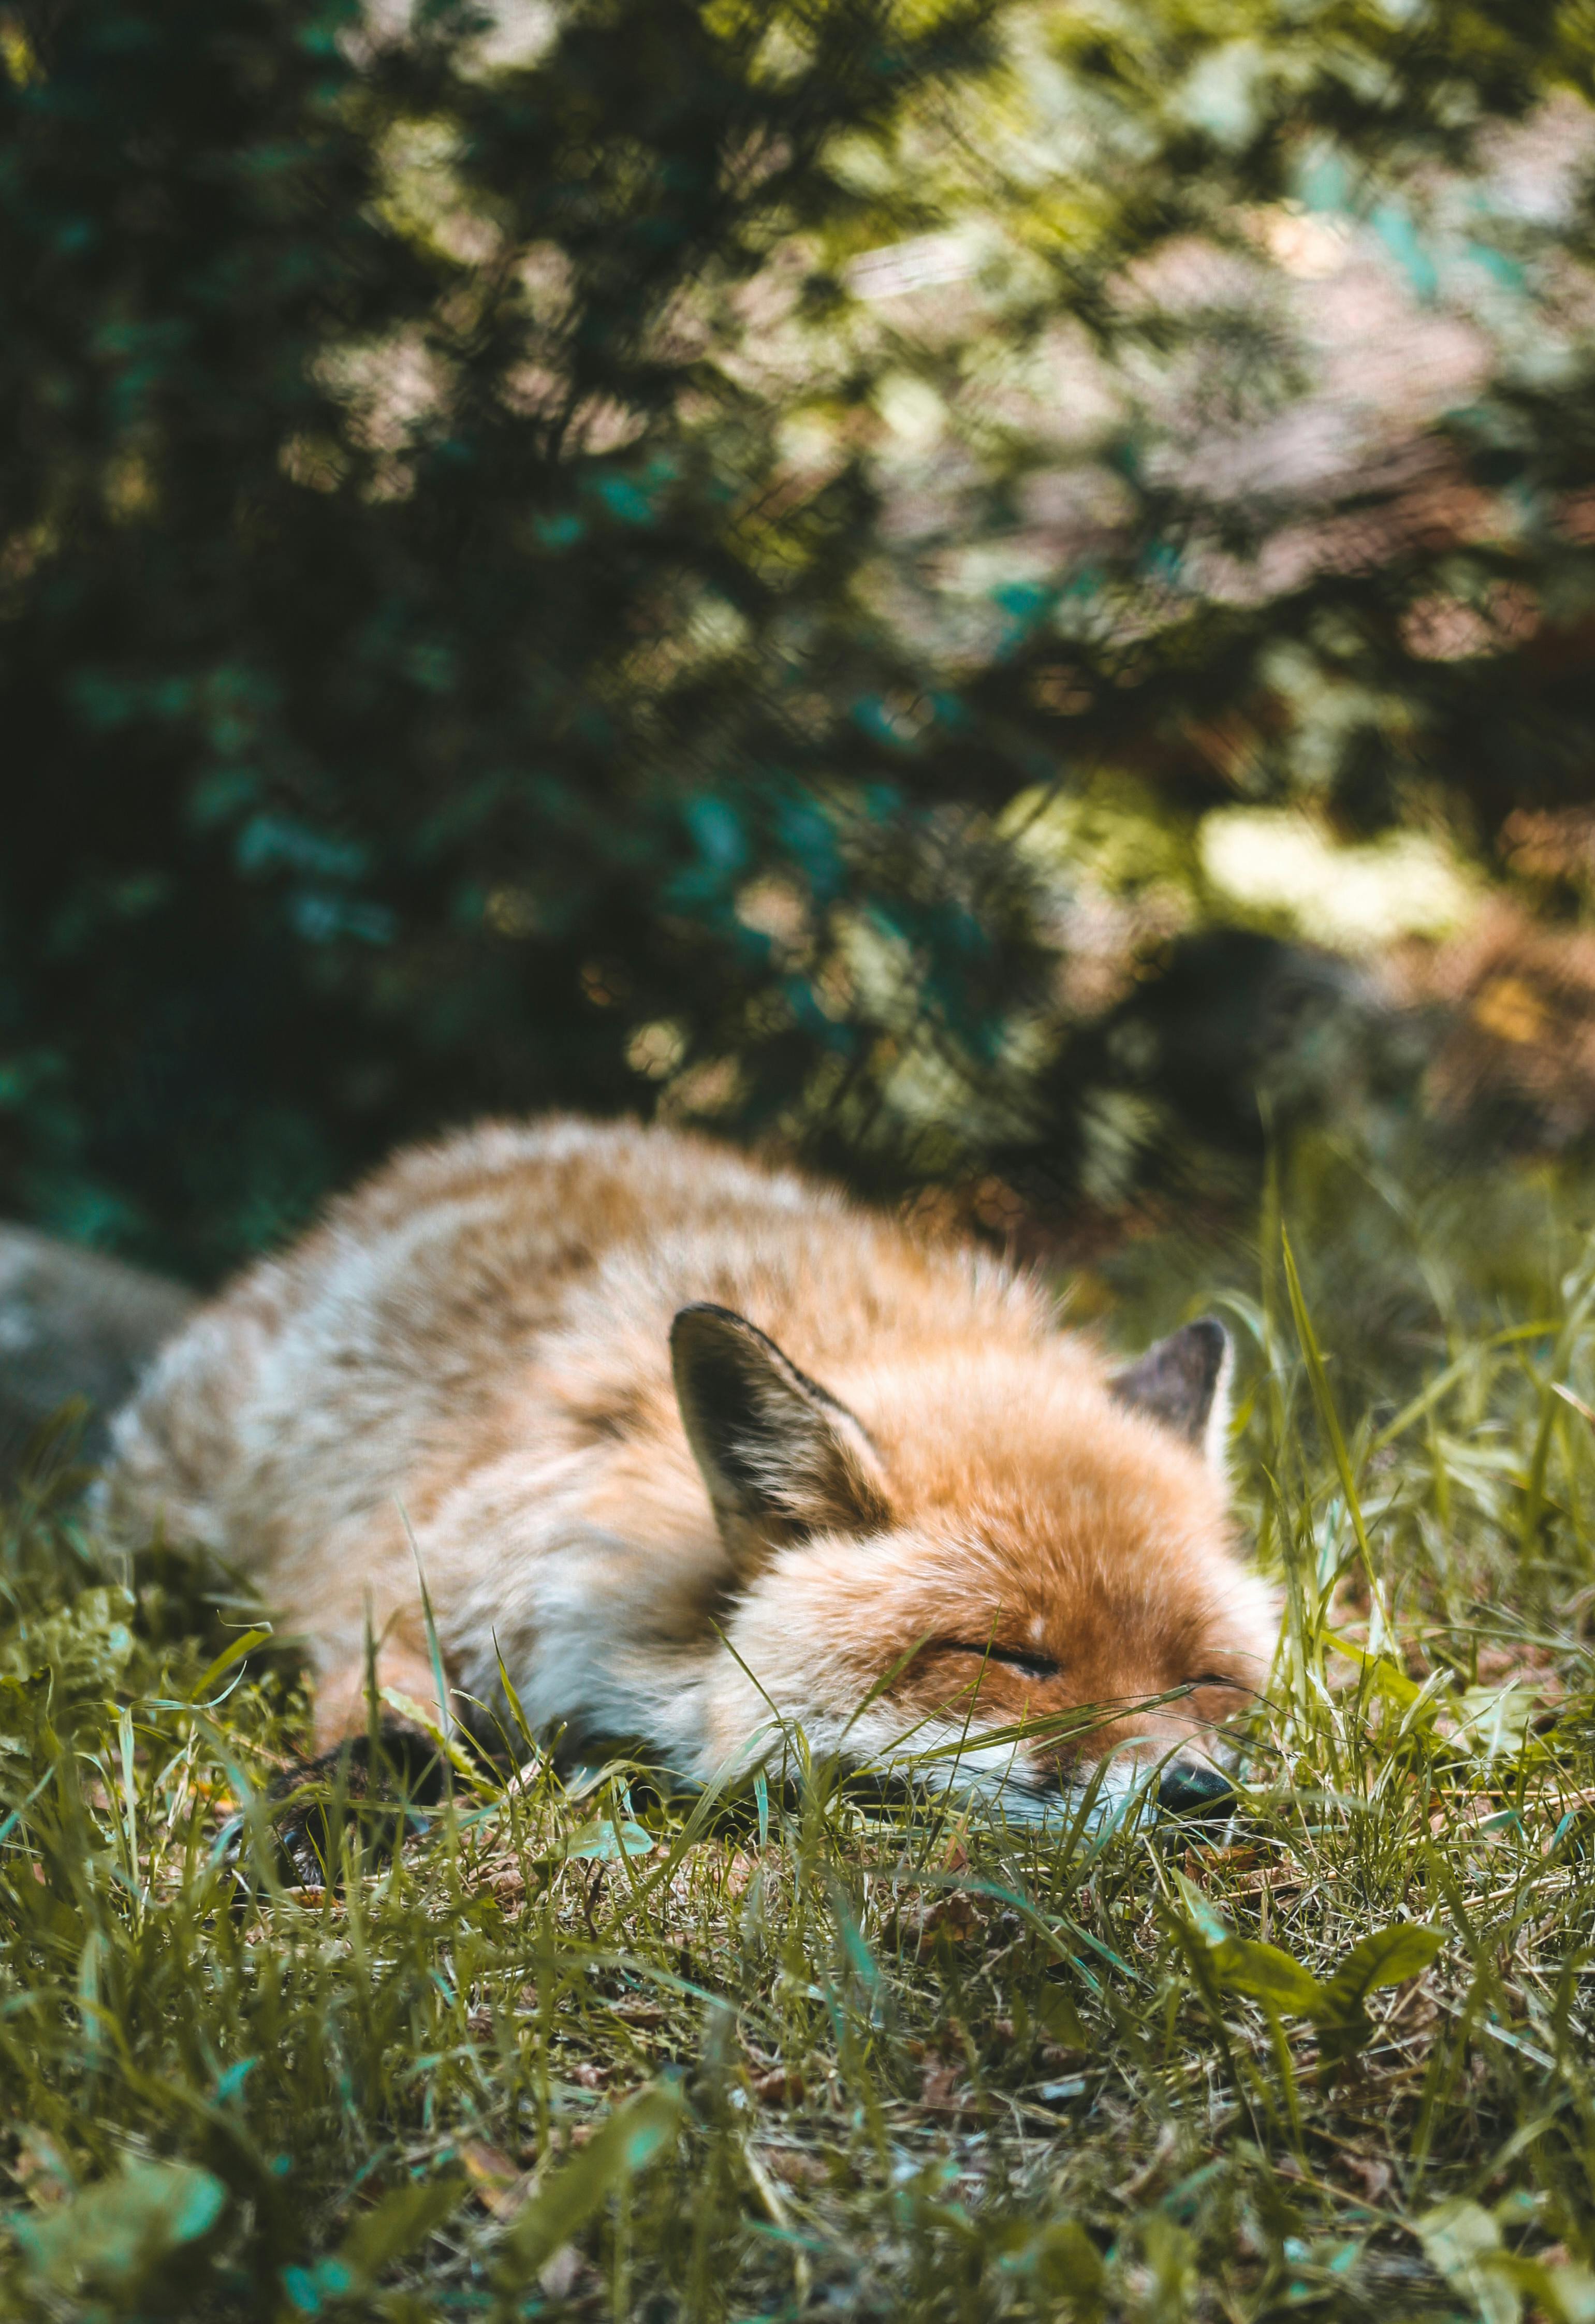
584	2050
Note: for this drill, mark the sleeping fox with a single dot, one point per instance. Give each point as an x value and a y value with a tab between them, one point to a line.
700	1448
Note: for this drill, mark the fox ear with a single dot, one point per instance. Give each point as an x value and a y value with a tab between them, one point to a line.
1184	1382
780	1458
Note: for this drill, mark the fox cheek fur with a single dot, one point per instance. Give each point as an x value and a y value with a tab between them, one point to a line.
570	1361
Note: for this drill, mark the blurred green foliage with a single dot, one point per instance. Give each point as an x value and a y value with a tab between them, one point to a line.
521	578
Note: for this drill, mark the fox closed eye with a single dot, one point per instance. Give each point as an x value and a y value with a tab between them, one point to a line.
1017	1658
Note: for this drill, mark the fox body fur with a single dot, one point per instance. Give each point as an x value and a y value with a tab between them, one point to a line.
692	1443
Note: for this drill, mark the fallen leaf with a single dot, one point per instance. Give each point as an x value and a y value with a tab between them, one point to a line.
783	2086
952	1915
792	2165
943	2091
1373	2175
640	2013
1277	1879
1501	1665
561	2275
499	2186
485	2165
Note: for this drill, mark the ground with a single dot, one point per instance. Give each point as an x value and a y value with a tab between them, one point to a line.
582	2049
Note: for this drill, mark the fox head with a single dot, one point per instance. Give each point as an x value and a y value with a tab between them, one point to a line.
987	1566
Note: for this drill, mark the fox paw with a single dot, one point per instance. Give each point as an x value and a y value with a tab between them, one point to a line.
382	1796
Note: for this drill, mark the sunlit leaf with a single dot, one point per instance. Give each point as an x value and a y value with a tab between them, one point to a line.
603	1842
1241	1965
635	2135
111	2236
1461	2241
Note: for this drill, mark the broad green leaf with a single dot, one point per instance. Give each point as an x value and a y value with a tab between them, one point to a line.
1455	2235
1212	1930
1566	2292
1067	2267
396	2224
1265	1973
632	2137
1461	2241
1260	1973
603	1842
1058	2018
111	2236
1386	1957
1496	1719
1384	1674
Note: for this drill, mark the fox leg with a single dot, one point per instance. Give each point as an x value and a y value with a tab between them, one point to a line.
341	1709
375	1786
355	1598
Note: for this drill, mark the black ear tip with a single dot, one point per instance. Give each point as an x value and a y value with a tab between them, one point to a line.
702	1319
1200	1348
1177	1380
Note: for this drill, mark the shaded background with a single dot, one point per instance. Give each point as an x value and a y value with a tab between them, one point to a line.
1001	596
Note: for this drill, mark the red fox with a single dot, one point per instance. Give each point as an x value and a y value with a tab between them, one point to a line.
701	1449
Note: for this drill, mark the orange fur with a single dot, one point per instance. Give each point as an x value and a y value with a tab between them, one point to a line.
474	1349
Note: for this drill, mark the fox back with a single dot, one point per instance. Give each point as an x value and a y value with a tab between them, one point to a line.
702	1451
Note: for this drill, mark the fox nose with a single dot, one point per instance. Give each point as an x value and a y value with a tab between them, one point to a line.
1189	1789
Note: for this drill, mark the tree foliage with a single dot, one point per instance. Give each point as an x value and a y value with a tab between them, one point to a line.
506	598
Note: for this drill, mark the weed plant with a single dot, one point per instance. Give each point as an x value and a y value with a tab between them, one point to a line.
584	2047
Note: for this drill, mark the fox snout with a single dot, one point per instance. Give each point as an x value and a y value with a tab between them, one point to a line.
1189	1789
1193	1790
